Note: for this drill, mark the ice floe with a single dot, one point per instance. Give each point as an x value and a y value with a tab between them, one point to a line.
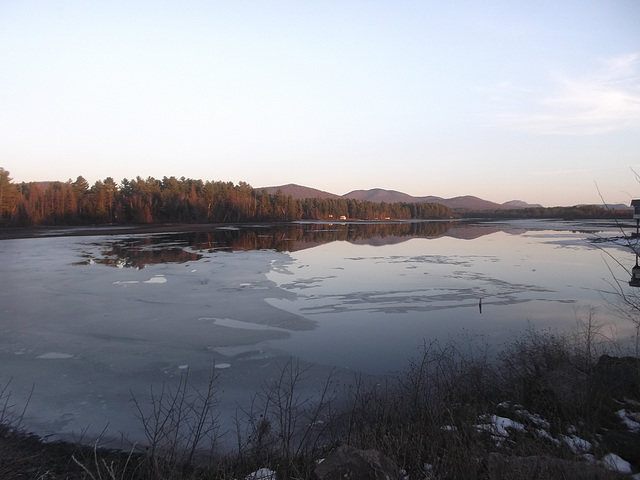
157	279
55	355
239	324
154	279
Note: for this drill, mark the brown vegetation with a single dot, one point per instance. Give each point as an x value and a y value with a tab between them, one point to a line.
551	406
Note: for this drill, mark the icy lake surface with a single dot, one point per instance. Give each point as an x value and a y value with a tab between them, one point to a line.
89	322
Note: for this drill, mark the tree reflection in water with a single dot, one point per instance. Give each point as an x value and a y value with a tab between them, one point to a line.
137	251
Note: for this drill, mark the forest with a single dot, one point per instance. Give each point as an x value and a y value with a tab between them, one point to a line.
566	213
183	200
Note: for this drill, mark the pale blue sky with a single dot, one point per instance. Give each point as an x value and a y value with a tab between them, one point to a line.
498	99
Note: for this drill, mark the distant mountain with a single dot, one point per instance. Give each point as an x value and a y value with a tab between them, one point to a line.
380	195
299	192
616	206
521	204
467	202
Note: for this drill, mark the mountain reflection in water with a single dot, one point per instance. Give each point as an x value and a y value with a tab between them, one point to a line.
137	251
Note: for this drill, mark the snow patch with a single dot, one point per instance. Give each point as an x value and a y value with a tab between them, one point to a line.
630	419
498	425
222	365
262	474
615	463
544	434
577	444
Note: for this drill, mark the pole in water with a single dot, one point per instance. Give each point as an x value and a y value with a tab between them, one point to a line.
480	305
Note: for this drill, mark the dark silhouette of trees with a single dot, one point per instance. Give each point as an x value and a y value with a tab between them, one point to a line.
565	213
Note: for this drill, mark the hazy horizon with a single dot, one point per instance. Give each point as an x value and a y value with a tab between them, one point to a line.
533	102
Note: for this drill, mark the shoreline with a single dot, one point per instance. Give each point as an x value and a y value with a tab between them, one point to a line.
11	233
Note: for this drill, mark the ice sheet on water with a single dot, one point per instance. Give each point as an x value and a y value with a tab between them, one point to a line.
239	324
133	334
157	279
55	356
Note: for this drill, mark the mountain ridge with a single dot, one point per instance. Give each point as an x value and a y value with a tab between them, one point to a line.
464	202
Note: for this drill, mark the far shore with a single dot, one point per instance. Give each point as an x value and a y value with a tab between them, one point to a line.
7	233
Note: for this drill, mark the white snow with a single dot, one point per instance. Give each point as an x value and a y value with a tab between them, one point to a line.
262	474
534	418
577	444
498	425
630	419
617	464
544	434
222	365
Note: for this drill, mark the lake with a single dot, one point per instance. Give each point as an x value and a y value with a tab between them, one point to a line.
90	322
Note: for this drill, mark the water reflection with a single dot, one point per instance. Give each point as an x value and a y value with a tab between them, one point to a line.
137	251
135	255
331	300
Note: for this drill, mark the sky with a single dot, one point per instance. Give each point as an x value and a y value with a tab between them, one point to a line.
535	101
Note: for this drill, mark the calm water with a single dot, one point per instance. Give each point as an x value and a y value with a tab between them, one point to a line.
87	322
374	302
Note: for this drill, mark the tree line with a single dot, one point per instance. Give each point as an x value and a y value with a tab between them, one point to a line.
182	200
567	213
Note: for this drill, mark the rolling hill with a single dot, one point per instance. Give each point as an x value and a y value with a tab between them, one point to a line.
466	202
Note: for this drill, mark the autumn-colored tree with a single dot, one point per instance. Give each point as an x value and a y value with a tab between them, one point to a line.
32	208
181	200
9	197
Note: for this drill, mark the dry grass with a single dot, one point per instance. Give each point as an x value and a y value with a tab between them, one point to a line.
426	419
